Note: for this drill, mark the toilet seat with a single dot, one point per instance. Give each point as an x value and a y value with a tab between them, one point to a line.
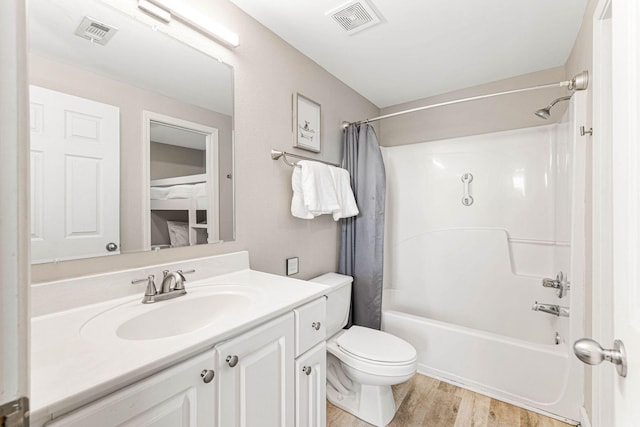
375	346
356	349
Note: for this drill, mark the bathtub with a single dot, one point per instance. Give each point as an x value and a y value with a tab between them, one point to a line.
460	280
530	375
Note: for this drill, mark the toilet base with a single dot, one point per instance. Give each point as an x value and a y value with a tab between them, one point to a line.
373	404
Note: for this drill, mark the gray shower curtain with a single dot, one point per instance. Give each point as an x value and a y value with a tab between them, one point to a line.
362	236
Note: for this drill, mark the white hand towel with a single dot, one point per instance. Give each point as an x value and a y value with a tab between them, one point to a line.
344	193
318	191
298	208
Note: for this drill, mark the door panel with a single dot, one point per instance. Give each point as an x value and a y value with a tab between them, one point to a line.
256	384
626	204
75	145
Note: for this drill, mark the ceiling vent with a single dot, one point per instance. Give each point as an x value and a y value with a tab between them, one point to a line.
355	16
96	31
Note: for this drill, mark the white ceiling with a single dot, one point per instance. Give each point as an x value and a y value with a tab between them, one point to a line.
427	47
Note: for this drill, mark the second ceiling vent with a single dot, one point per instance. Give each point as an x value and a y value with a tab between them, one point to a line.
355	16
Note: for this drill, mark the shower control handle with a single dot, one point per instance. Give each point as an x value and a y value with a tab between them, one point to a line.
560	284
592	353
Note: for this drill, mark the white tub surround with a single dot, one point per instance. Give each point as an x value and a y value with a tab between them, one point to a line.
77	358
462	273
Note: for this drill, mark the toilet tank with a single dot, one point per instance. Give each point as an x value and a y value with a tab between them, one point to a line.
338	300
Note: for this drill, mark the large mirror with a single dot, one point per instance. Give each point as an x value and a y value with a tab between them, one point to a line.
132	136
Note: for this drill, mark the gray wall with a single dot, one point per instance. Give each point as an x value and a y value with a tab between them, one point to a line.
267	72
168	161
471	118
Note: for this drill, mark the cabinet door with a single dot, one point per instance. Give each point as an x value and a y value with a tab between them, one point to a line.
311	386
255	377
177	397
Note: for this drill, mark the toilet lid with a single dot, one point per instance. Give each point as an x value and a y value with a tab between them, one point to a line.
376	345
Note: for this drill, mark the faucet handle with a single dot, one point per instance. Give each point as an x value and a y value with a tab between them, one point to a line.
151	290
179	286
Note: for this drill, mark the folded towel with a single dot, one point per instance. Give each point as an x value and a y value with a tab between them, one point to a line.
298	209
318	190
344	194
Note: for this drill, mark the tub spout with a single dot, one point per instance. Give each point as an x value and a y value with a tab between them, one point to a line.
556	310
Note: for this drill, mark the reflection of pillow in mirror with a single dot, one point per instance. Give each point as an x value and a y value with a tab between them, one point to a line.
178	233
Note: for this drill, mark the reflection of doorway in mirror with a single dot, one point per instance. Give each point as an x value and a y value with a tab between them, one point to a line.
183	206
75	177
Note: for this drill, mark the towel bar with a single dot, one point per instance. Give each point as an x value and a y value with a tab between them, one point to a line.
275	155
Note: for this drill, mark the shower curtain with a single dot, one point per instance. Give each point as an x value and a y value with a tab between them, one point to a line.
362	236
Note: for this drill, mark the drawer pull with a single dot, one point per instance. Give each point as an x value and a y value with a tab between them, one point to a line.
307	370
207	375
316	326
232	360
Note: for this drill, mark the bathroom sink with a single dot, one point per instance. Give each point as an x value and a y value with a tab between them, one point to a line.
199	308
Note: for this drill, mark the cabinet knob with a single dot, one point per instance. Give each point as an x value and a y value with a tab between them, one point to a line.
207	375
232	360
306	370
316	326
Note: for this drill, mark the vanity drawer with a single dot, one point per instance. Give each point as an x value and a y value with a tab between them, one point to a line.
310	324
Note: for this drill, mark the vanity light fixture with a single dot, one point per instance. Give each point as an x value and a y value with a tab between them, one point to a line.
164	10
155	11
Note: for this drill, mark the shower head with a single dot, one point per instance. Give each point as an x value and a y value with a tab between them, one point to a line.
545	113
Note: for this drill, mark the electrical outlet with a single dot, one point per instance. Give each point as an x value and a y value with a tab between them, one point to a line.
292	266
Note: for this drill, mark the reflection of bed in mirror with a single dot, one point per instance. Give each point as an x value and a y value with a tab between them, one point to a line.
179	211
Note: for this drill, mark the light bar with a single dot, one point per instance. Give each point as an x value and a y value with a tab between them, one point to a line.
193	18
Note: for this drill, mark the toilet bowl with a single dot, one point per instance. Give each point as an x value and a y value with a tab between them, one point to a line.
362	363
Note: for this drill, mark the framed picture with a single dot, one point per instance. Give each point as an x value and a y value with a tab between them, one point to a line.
307	123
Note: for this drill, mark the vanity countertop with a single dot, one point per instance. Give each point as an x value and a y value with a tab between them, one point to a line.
70	367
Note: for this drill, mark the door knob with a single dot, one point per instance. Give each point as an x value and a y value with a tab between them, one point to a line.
306	370
111	247
592	353
316	326
207	375
232	360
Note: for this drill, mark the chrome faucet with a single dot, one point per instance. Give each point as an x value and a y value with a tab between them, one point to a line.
554	309
172	286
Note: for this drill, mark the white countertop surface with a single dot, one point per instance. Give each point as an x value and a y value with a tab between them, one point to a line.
70	368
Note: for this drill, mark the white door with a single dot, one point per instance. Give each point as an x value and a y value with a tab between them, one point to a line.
14	226
616	215
75	176
626	203
255	377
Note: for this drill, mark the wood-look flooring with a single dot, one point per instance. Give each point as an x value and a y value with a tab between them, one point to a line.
424	401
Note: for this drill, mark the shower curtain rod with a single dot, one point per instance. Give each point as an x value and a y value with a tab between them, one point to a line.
579	82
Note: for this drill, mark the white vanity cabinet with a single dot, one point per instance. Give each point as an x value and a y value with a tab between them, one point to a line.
311	384
175	397
255	376
311	364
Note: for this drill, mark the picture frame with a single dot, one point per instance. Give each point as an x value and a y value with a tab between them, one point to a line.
307	123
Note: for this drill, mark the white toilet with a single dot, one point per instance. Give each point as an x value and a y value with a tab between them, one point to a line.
362	363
